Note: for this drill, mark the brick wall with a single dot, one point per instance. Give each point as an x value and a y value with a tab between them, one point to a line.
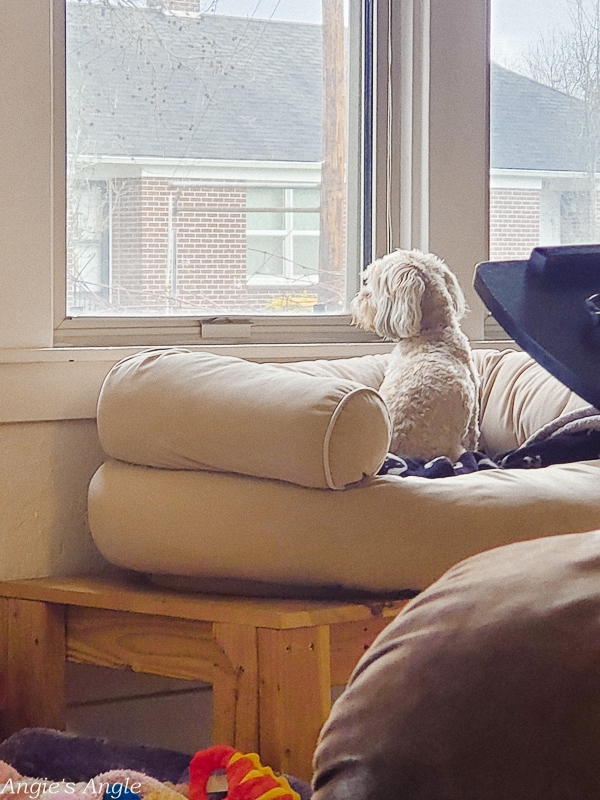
127	272
514	223
210	246
183	247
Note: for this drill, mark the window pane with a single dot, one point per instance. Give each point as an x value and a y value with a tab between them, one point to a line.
306	221
544	89
265	256
545	81
190	113
306	256
265	220
306	198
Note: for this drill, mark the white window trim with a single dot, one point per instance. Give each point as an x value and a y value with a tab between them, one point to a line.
84	331
52	384
444	138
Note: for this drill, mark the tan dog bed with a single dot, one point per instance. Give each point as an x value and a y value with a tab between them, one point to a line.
235	476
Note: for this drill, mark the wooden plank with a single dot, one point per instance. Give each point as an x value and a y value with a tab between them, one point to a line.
332	244
174	648
3	649
223	655
132	593
349	641
35	666
294	696
235	692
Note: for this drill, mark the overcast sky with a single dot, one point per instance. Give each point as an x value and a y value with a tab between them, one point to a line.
515	23
299	10
518	23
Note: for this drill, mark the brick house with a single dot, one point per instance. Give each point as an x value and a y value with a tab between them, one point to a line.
195	163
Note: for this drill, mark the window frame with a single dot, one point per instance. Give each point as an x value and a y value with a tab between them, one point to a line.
429	170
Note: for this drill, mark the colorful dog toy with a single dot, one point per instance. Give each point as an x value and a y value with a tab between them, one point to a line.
247	779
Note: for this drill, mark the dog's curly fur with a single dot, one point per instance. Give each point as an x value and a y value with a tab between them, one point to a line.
431	386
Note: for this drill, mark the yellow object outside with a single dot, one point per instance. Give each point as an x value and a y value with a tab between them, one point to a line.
290	301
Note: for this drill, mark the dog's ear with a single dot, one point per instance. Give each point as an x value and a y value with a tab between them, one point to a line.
398	314
456	293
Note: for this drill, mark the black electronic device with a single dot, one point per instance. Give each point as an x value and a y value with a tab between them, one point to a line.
550	305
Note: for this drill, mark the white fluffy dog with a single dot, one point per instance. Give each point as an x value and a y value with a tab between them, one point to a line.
431	384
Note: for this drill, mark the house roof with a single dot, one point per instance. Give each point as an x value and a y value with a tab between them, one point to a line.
534	127
143	83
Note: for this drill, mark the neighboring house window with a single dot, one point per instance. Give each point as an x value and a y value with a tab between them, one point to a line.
282	236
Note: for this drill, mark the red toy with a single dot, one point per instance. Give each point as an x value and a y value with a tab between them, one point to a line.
247	779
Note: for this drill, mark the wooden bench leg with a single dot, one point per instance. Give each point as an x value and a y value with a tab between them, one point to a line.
34	660
235	691
294	695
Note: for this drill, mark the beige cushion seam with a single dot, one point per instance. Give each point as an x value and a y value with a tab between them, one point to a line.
330	427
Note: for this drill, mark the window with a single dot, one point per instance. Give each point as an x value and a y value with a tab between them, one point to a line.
544	133
415	70
282	238
194	116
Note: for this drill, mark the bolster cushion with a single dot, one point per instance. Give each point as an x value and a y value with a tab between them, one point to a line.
177	409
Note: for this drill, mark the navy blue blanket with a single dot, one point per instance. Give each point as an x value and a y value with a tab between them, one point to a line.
572	437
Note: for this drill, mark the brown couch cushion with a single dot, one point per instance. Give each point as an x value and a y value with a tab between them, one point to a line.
487	687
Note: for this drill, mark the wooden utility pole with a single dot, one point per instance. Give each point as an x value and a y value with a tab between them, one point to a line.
332	255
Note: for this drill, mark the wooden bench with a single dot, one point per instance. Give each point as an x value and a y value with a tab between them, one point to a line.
271	663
